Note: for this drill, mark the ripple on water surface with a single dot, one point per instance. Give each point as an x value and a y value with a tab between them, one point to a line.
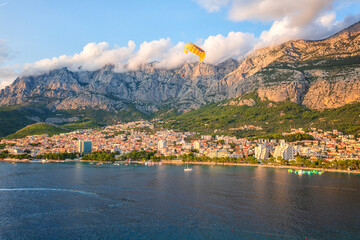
78	200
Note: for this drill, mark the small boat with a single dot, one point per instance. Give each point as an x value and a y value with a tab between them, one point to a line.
187	169
116	164
99	163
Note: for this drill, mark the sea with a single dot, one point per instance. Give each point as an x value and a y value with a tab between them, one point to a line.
87	201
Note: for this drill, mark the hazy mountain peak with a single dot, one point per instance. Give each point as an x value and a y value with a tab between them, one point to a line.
353	29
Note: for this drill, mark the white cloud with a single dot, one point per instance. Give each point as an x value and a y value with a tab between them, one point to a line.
7	76
213	5
327	19
3	4
324	26
92	57
291	19
168	55
305	19
234	45
150	52
175	57
298	12
163	52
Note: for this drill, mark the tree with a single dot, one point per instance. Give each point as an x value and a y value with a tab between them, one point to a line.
251	159
271	159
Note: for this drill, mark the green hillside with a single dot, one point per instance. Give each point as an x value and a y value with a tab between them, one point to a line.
264	118
271	117
37	129
14	118
82	125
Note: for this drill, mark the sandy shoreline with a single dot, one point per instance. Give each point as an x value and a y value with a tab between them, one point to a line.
180	162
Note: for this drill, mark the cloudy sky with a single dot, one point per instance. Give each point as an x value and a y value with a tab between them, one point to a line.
41	35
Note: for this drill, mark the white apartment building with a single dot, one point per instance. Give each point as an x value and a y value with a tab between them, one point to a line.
197	144
285	151
262	152
161	144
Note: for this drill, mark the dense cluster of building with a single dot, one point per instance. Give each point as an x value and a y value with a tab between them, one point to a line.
328	145
141	135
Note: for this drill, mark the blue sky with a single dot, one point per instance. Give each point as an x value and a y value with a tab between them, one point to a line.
42	28
32	30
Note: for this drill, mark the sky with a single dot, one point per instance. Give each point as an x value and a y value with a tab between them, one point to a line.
37	36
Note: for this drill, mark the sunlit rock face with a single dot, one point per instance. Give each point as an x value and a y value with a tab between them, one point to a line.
317	74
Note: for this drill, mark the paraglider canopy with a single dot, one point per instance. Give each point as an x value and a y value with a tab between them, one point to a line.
195	49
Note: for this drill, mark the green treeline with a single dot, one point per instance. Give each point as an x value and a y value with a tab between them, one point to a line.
100	156
5	154
140	156
50	156
289	137
192	158
298	137
57	156
151	155
297	162
133	155
319	163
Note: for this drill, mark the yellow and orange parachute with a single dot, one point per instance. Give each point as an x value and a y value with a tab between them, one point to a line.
195	49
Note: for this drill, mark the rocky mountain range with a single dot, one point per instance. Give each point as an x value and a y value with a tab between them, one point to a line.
317	74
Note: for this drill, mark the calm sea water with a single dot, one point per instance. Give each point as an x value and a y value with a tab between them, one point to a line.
83	201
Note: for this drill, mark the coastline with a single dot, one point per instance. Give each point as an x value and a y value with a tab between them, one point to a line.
177	162
180	162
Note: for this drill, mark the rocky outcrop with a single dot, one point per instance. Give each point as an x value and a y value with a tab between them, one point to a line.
325	94
241	102
318	74
147	88
55	120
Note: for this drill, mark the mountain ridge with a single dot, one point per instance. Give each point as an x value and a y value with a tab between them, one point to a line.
277	73
319	75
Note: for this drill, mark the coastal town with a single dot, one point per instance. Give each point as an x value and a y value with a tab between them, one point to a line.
142	136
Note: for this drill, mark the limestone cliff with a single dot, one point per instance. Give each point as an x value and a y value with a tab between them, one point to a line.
318	74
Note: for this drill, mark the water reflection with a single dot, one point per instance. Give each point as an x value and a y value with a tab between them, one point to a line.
164	202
